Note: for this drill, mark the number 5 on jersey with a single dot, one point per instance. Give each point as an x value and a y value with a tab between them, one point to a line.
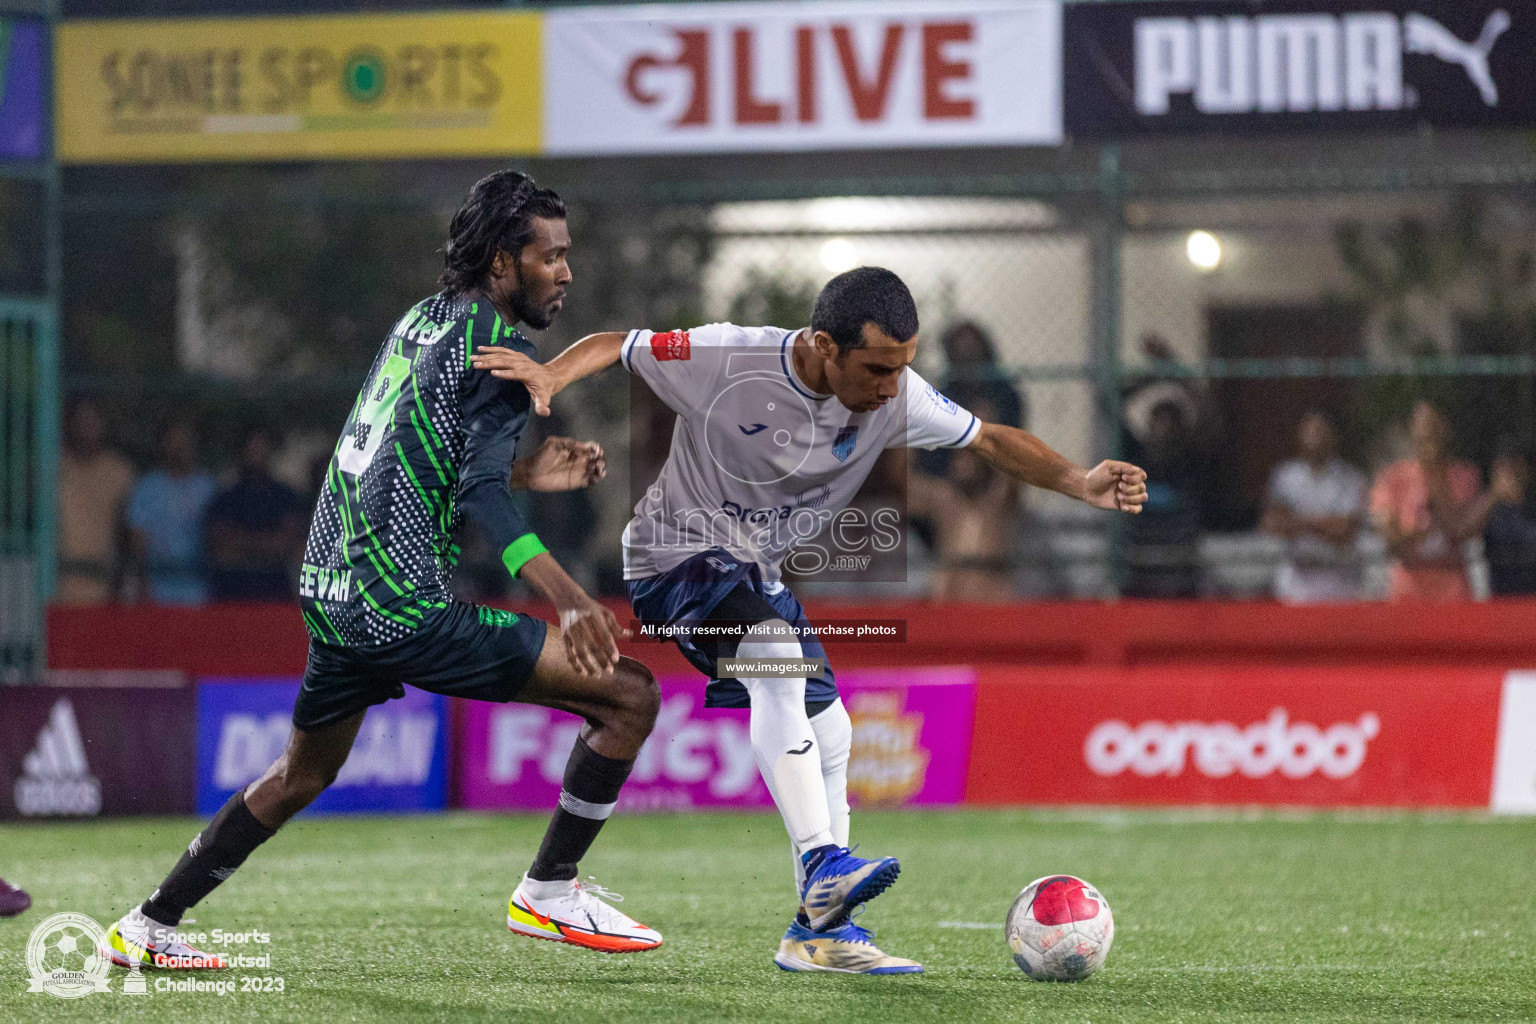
361	443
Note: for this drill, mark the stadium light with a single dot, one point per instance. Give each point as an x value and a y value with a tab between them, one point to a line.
838	255
1203	250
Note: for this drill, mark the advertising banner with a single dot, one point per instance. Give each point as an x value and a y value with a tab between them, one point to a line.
1298	65
399	761
70	751
23	93
403	85
1514	762
794	76
911	746
1306	736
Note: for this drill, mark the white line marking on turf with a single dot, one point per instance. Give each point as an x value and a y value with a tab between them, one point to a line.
1285	968
978	925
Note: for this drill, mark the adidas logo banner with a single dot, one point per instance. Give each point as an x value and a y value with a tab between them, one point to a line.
1298	65
84	751
56	778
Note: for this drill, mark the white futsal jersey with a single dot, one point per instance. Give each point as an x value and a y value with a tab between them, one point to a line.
759	462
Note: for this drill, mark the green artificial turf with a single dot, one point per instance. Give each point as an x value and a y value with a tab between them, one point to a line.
1219	918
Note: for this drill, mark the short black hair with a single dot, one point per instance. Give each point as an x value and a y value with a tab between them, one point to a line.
498	215
864	295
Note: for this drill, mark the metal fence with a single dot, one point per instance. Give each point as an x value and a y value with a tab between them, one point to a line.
28	449
1355	274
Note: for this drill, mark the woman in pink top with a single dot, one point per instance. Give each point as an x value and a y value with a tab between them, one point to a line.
1427	508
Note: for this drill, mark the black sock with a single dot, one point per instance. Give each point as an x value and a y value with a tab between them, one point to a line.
212	857
587	797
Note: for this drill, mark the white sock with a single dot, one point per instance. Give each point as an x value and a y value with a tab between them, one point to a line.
535	889
834	735
783	741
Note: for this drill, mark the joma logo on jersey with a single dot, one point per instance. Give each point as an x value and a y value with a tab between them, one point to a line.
325	584
1300	63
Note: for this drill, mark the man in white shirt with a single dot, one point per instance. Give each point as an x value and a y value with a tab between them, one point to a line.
1317	504
776	431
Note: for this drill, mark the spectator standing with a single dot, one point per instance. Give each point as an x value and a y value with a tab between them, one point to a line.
1162	545
1509	535
974	513
254	529
972	359
1317	505
94	482
1427	508
165	521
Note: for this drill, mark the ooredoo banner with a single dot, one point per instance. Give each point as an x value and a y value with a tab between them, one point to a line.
1307	736
74	751
776	76
911	746
399	761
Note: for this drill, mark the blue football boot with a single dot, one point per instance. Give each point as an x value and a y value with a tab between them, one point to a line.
846	950
836	882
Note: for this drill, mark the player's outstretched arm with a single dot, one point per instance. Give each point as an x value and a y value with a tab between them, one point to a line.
1023	456
560	464
544	381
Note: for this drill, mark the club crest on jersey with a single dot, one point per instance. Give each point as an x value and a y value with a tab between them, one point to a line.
672	345
842	444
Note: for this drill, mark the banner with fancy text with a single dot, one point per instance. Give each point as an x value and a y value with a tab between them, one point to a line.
911	746
733	77
298	88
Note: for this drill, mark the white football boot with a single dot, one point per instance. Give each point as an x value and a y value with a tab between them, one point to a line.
578	916
138	940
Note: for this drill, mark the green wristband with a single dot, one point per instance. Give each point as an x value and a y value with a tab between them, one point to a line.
520	551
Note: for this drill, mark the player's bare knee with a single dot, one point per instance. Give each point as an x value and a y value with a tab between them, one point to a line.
302	782
639	697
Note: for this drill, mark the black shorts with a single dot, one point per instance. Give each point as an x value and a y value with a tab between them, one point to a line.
465	651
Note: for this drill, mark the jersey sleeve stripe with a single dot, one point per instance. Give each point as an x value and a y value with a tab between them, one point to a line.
627	351
969	434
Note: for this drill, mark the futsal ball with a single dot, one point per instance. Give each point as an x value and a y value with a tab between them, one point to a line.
1059	929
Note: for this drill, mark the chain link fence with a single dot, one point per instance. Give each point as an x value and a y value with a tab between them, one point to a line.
1099	311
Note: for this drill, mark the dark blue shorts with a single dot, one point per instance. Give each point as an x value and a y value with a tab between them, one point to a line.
464	651
691	591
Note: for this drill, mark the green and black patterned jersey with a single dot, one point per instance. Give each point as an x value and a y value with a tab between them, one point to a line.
429	439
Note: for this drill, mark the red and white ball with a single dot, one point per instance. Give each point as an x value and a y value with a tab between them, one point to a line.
1059	929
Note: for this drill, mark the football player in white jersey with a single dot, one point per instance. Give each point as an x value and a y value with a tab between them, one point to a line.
776	431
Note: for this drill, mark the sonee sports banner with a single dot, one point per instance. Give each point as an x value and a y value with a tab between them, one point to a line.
449	84
1298	65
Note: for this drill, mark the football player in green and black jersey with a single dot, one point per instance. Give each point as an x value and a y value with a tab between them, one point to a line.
431	440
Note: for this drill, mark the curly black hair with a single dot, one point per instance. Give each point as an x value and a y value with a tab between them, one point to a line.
497	216
864	295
